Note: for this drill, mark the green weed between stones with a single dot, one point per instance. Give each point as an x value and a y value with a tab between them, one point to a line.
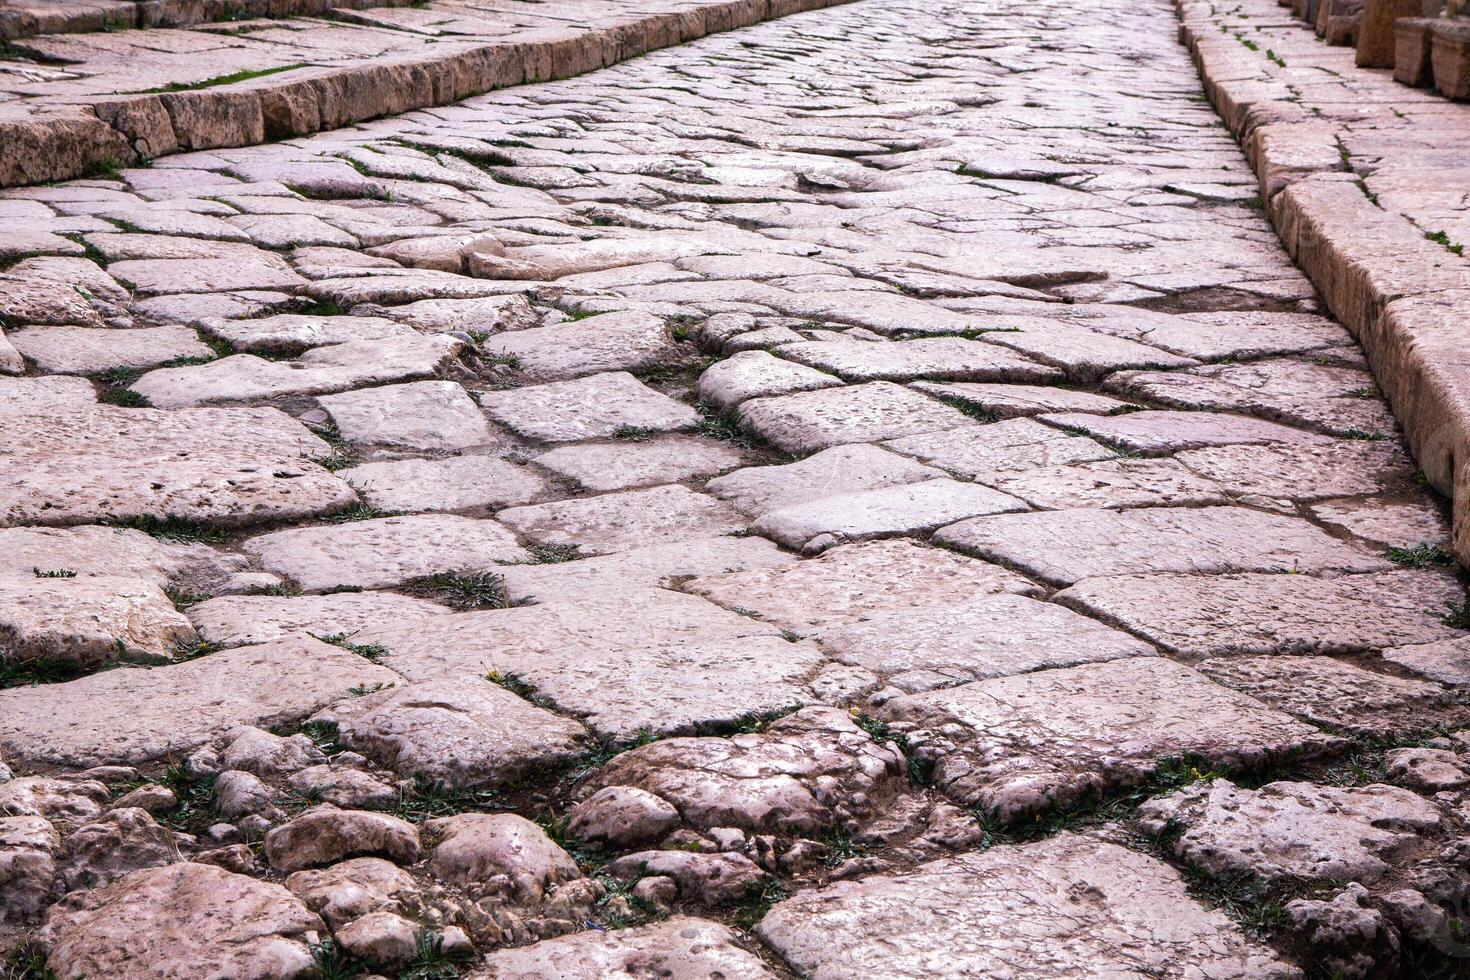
476	590
1422	555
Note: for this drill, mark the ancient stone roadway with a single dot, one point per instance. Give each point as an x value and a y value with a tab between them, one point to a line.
860	496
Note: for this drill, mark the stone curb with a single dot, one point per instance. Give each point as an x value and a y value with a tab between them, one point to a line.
1405	299
20	22
75	142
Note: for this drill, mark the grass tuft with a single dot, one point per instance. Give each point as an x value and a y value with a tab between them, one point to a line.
475	590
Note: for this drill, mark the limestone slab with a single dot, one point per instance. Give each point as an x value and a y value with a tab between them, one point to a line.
84	350
1302	472
1111	484
87	622
426	415
627	341
812	420
935	358
677	947
595	407
623	465
133	431
453	483
1004	401
1445	661
1154	433
983	452
757	374
92	550
618	521
1396	523
239	620
839	470
287	333
45	396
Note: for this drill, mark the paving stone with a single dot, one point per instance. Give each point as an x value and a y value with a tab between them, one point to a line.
87	622
991	636
127	432
619	521
137	714
243	269
1292	831
621	465
1082	354
1401	524
757	374
1066	546
983	452
44	302
610	342
1241	335
587	408
287	333
677	947
1111	484
654	660
488	314
454	483
107	551
461	732
238	620
385	551
1069	904
85	350
1339	696
45	396
1158	433
426	415
938	358
659	566
812	420
1005	401
1302	472
852	581
914	508
757	490
1257	614
1445	661
1020	745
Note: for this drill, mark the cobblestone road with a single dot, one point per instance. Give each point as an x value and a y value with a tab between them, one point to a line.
860	496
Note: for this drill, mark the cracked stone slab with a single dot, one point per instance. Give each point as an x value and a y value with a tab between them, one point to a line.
628	341
619	521
87	622
810	420
425	415
1445	661
757	374
595	407
914	508
623	663
1270	614
1292	831
1020	745
852	581
1069	905
1158	433
677	947
991	636
936	358
384	551
1398	523
1065	546
757	490
87	350
1005	401
1111	484
983	452
1339	696
239	620
137	714
1342	469
603	467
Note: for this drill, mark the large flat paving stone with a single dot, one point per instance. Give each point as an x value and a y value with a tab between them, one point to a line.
93	550
619	521
627	341
1113	483
424	415
757	374
595	407
1154	433
1294	472
603	467
452	483
137	714
839	470
1065	546
1005	401
288	333
990	636
812	420
45	395
853	581
1067	906
678	947
244	619
936	358
1259	614
1020	745
1399	523
107	430
653	661
87	350
985	452
87	622
385	551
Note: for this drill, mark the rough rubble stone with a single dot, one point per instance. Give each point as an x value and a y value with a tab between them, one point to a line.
87	622
380	938
498	852
353	888
238	620
711	880
29	846
123	840
756	490
812	420
603	467
427	415
267	754
621	817
587	408
67	803
618	521
676	947
325	835
345	787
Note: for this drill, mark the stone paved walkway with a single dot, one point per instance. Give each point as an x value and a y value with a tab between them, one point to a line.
861	496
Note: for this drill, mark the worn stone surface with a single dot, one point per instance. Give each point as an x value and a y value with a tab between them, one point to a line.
603	467
1154	433
418	415
453	483
238	620
83	350
757	374
618	521
87	622
325	835
588	408
989	451
499	852
678	947
839	470
812	420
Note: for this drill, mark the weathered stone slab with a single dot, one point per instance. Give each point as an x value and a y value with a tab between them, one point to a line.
454	483
425	415
586	408
1397	523
45	396
238	620
1445	661
839	470
619	521
1066	546
84	350
1157	433
622	465
757	374
937	358
983	452
1019	745
852	581
991	636
245	268
92	550
133	431
1004	401
1259	614
86	622
287	333
1063	906
812	420
384	551
611	342
138	714
1302	472
1111	484
677	947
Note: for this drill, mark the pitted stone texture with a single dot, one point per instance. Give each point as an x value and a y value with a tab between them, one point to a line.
988	451
1111	484
87	350
29	846
812	420
181	922
123	840
91	550
44	395
991	636
1402	524
654	660
1340	696
1293	831
660	566
134	714
66	803
1065	906
1005	401
915	508
757	374
619	521
621	817
1445	661
326	835
1343	469
936	358
480	851
603	467
587	408
384	551
87	622
757	490
353	888
429	415
1264	614
127	432
809	772
1154	433
464	732
1066	546
681	947
237	620
853	581
610	342
288	333
455	483
1019	745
